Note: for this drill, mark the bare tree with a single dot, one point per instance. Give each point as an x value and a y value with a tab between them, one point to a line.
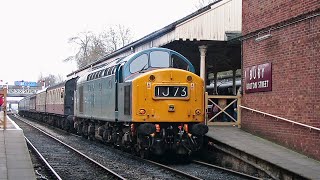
82	42
49	80
59	78
116	37
203	3
125	35
91	47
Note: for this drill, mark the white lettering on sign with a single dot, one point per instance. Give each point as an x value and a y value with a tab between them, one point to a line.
258	78
263	84
254	71
259	84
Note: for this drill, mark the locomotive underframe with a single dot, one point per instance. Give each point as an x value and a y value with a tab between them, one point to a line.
169	138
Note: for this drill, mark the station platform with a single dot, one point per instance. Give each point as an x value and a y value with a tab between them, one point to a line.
266	150
15	161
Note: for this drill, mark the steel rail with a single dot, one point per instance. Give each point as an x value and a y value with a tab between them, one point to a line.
224	169
34	149
77	151
284	119
172	169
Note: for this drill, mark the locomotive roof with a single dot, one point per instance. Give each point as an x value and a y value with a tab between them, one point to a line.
57	85
42	90
61	84
132	57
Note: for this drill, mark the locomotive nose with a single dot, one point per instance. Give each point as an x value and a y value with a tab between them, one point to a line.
172	95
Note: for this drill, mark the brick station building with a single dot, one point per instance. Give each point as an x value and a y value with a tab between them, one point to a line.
281	72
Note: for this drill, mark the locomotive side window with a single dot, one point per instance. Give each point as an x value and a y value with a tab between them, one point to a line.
177	62
139	63
159	59
120	75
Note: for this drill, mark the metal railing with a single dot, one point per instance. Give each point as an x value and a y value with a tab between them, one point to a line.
219	110
277	117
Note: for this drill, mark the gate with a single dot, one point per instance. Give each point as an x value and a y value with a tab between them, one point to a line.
223	110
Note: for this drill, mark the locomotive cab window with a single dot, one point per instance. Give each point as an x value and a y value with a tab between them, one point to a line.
140	63
177	62
159	59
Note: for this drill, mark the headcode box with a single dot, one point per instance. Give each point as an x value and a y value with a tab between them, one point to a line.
258	78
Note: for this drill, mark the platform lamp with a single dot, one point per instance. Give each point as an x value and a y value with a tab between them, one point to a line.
263	37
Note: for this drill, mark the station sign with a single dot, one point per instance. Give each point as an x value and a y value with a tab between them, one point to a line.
258	78
26	83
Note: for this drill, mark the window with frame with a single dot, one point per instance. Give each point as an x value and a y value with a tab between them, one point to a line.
159	59
177	62
140	63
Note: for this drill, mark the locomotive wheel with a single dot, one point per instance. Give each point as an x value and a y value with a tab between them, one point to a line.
91	137
144	154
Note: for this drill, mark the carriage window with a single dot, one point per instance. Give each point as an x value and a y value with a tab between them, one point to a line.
159	59
177	62
139	63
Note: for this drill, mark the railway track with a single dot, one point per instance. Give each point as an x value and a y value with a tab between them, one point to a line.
127	165
50	173
235	173
201	170
137	168
64	161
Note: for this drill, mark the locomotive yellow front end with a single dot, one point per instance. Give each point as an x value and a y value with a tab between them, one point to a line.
168	107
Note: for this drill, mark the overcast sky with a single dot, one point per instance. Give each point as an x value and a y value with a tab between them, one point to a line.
34	33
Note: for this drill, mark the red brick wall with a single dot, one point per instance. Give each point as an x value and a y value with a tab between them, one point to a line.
257	14
294	52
